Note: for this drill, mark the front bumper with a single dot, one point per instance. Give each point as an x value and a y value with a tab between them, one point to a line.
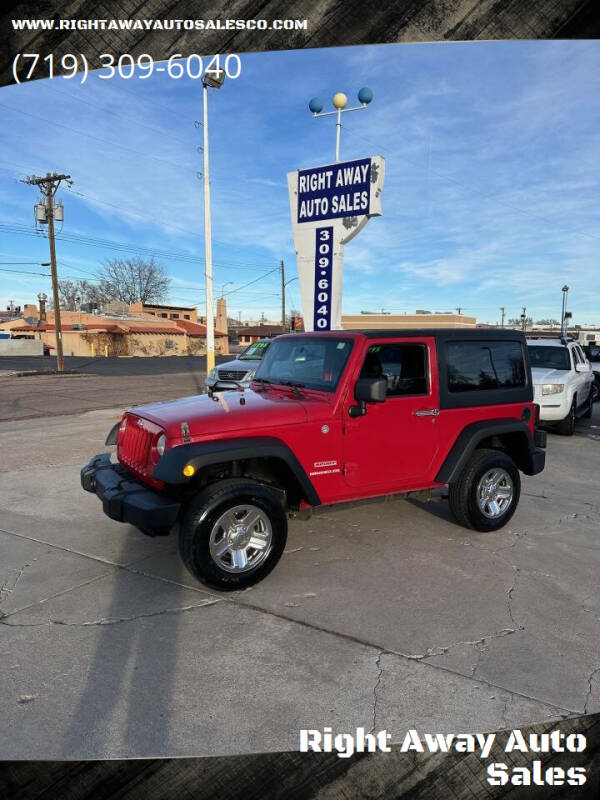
125	499
553	407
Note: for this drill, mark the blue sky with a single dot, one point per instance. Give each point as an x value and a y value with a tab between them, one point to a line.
492	176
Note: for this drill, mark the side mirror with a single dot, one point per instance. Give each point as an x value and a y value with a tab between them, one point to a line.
371	390
368	390
581	368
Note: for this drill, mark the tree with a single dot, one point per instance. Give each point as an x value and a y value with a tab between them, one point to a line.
134	280
549	323
74	294
517	322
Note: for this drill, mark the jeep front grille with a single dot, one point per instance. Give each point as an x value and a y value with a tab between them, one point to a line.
231	374
135	446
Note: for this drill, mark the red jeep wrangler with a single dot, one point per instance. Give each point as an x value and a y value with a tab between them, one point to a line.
330	418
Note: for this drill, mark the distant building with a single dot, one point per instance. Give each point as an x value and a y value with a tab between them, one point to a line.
164	312
252	333
142	334
418	320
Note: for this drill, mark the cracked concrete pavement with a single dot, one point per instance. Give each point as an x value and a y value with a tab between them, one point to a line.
386	616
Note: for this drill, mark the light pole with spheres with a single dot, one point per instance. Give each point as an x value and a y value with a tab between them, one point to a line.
340	101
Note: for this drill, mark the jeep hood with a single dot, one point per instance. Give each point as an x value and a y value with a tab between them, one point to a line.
247	364
206	417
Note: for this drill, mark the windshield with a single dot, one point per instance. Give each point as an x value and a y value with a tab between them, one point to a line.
314	363
255	352
549	357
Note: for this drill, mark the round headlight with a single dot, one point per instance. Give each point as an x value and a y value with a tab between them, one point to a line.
160	444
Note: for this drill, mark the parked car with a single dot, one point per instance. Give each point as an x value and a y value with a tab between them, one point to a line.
563	381
239	372
331	418
593	354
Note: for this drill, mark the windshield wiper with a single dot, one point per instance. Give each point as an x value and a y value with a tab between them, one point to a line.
264	382
295	387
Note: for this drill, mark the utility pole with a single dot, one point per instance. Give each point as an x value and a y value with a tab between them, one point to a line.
282	268
458	310
502	311
48	186
524	319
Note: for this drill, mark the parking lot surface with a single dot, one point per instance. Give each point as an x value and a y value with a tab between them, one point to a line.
97	383
383	616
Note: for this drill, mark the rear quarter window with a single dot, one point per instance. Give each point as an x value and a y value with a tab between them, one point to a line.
481	365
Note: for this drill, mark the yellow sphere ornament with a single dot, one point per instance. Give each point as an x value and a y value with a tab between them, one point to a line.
340	100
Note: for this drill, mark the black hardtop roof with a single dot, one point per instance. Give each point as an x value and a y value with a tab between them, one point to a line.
438	333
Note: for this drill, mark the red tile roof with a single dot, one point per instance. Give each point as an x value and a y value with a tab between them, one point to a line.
124	326
195	328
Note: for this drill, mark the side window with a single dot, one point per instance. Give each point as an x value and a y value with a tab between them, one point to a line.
576	357
581	354
479	365
404	366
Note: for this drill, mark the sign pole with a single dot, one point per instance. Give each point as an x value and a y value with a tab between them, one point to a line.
338	130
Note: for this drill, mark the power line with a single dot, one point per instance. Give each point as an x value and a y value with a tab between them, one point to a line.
94	241
99	139
120	116
137	96
251	282
26	272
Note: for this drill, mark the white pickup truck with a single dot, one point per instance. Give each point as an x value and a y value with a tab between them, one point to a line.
563	382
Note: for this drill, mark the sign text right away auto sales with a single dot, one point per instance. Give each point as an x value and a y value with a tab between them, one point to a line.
335	191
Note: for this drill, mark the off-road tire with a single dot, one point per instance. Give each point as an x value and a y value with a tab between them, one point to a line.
462	493
566	427
201	516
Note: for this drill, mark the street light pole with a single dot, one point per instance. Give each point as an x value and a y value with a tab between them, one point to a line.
210	323
215	80
565	291
284	283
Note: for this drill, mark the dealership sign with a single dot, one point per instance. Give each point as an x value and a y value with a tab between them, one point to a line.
329	206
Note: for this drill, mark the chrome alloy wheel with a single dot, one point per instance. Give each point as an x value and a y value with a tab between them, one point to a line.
241	538
495	492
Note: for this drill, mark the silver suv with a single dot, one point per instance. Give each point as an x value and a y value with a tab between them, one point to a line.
239	372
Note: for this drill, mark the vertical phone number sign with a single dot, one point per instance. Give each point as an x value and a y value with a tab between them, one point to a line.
330	205
323	270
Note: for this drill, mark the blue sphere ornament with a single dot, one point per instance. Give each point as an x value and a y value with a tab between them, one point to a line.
365	95
316	105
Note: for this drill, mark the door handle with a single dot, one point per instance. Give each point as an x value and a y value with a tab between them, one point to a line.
427	412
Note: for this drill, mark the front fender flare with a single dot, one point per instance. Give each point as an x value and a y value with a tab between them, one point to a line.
202	454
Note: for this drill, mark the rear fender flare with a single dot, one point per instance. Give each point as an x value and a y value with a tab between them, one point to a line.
471	437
